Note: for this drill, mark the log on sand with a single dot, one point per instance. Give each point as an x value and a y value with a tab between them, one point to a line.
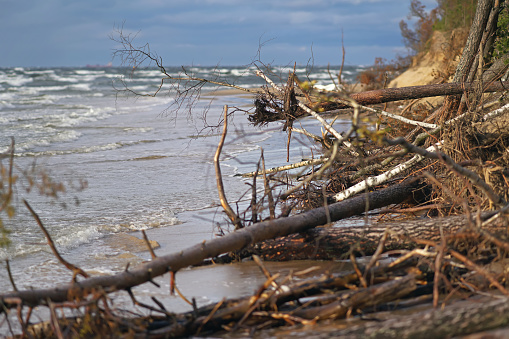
209	249
333	243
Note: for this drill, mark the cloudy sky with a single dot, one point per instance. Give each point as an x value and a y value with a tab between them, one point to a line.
201	32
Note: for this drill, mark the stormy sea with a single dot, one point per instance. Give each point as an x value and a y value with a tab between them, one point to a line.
121	162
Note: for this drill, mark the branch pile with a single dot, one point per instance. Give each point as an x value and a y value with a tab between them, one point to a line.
441	161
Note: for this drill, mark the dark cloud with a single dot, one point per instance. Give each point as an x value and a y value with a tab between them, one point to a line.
70	32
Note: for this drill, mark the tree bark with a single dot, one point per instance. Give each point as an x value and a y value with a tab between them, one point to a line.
471	49
451	104
461	318
335	243
208	249
380	96
416	92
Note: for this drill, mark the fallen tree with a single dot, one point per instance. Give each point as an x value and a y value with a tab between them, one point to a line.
460	318
209	249
334	243
398	283
437	257
381	96
268	112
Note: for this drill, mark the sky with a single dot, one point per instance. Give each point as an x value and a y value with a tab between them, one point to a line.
52	33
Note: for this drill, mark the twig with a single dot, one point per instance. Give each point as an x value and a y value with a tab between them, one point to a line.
308	134
400	118
148	307
219	180
473	177
408	210
184	297
360	276
327	126
264	270
438	267
499	243
10	275
150	249
378	252
254	207
135	56
317	116
54	321
258	298
210	315
444	188
172	282
479	270
316	174
26	323
268	190
269	81
73	268
310	162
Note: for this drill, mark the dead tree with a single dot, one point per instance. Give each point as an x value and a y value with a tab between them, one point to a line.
334	243
208	249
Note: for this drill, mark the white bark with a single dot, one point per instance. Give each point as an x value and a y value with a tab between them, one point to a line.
289	167
400	118
380	179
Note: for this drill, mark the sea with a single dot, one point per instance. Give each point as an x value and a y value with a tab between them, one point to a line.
100	158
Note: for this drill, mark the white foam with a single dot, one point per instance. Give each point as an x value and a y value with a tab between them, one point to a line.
18	250
88	72
81	87
144	219
62	78
240	72
76	236
39	72
14	80
147	73
6	104
50	88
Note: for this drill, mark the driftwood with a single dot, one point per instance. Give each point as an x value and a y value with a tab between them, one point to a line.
380	96
458	319
416	92
333	243
272	307
444	265
334	296
208	249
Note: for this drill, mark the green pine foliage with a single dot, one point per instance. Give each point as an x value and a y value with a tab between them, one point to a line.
454	14
502	40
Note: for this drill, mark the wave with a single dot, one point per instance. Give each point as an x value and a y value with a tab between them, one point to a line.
14	80
89	72
81	150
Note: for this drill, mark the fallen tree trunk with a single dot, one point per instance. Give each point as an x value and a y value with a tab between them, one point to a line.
461	318
208	249
381	96
332	296
335	243
266	112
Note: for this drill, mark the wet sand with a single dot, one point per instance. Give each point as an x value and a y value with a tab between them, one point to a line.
209	283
